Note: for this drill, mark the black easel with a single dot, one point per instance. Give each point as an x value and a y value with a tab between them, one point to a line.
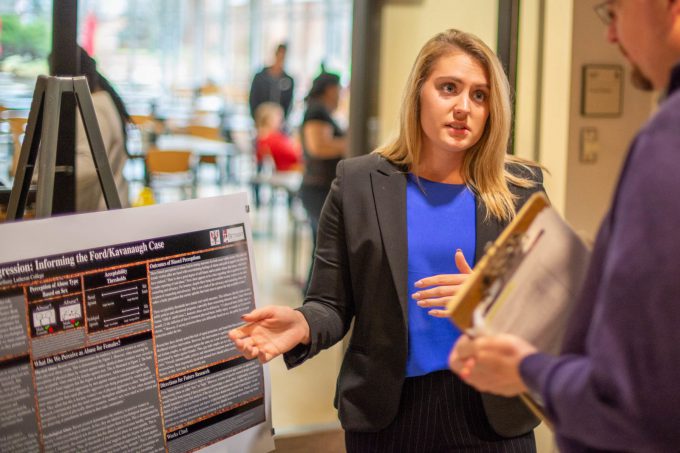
43	119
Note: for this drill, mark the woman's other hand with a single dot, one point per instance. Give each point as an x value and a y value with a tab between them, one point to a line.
270	332
441	287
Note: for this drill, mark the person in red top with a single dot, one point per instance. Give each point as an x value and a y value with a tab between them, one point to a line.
272	142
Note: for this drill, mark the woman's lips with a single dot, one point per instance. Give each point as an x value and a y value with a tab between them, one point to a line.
457	130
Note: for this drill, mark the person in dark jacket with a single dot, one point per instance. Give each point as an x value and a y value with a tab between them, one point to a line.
388	233
273	84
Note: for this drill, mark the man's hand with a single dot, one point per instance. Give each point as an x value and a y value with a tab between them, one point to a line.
491	363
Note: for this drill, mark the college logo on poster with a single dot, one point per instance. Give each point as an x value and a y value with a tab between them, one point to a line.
215	237
233	234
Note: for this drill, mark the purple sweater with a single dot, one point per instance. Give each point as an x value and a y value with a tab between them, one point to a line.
616	385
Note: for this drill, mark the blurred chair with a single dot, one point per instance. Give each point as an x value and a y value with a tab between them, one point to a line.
148	128
29	211
171	168
209	89
140	120
210	133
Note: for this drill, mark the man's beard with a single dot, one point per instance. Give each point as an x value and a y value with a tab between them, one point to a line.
640	80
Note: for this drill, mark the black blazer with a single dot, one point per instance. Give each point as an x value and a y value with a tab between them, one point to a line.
360	273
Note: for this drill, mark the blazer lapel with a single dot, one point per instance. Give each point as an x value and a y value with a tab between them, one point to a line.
487	230
389	194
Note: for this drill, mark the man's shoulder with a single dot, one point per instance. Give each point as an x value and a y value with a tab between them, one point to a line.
661	134
667	117
261	74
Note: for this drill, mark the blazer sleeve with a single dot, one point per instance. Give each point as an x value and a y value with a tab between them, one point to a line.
329	304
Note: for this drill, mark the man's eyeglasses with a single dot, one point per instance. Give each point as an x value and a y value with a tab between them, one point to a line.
604	12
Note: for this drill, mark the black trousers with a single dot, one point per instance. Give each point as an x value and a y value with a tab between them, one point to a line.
438	413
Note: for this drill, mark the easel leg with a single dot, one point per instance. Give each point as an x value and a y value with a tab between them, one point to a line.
94	138
29	154
47	158
43	122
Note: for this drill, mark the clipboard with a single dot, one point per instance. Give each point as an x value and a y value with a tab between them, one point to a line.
526	283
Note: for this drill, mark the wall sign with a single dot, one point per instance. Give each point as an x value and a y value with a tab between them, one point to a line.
602	91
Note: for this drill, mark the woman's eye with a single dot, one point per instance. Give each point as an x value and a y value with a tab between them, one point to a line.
448	88
479	96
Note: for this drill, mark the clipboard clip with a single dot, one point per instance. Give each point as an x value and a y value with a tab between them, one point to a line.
504	261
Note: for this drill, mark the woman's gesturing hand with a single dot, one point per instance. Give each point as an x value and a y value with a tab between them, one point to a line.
270	332
441	287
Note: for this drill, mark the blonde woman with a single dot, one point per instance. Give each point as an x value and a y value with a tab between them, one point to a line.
385	257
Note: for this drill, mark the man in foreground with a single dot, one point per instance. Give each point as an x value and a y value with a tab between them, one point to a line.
615	385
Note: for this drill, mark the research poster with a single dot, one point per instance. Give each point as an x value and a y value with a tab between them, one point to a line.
113	332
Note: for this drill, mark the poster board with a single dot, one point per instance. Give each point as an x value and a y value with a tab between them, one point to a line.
113	331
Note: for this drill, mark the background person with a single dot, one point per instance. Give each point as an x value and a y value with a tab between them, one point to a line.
273	84
392	218
323	145
112	118
271	141
615	385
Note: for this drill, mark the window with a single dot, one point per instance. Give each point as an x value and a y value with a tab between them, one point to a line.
152	48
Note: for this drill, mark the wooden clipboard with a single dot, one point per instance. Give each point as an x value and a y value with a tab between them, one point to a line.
462	306
494	277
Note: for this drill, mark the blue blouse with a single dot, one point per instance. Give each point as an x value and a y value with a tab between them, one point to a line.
440	218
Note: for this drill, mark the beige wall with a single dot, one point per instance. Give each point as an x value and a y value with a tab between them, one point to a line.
527	81
589	187
405	28
553	119
573	37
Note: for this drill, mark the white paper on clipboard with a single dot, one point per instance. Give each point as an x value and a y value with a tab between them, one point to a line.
534	299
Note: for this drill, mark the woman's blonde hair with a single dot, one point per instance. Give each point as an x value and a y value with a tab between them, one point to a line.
484	170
